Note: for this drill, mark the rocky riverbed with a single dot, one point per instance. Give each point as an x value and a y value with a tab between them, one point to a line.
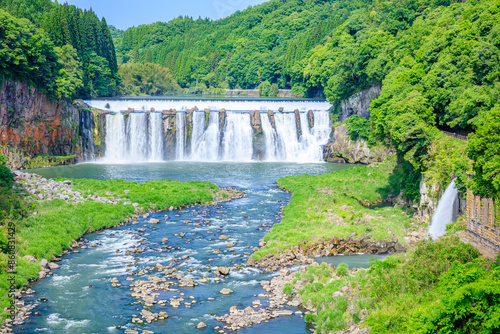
36	188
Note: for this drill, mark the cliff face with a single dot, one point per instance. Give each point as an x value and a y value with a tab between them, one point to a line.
359	103
342	149
32	125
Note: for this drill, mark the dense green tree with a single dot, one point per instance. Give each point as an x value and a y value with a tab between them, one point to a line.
484	150
264	88
70	76
81	29
147	79
27	54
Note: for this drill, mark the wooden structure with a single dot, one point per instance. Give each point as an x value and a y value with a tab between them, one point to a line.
482	225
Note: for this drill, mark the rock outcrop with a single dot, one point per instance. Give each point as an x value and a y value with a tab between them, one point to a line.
169	132
259	146
270	113
303	253
310	118
297	123
342	149
32	125
189	128
359	103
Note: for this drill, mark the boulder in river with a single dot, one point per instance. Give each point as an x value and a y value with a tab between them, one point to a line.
153	221
226	291
201	325
53	265
224	271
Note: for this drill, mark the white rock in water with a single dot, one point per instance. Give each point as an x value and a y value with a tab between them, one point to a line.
226	291
153	221
282	312
201	325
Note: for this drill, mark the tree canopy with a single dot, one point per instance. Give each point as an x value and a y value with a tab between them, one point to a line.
85	50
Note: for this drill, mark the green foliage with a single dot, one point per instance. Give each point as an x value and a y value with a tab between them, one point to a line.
342	269
358	127
274	90
406	290
484	149
298	91
27	53
267	42
6	177
151	194
69	81
147	79
264	88
84	62
447	160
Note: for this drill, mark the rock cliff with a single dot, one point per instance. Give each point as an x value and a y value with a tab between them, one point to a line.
359	103
34	126
342	149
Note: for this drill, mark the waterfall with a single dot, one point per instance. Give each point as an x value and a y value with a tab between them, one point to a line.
314	138
116	140
180	139
138	136
270	138
446	211
155	137
238	137
288	140
205	142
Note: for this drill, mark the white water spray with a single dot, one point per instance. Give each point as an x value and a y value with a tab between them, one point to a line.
446	210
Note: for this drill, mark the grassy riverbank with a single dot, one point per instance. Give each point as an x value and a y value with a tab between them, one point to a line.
45	229
437	287
339	204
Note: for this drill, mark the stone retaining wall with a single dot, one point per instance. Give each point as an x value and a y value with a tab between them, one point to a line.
482	225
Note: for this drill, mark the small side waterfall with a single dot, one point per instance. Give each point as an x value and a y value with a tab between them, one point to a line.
446	211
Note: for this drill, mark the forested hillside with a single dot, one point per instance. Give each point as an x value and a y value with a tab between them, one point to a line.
75	54
438	62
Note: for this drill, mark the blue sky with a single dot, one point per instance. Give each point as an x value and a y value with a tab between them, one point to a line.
127	13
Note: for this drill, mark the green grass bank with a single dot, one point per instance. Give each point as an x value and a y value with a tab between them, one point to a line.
339	204
436	287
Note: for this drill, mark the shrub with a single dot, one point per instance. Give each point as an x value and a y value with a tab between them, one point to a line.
6	177
342	269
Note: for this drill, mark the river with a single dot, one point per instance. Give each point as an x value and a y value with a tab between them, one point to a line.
81	298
